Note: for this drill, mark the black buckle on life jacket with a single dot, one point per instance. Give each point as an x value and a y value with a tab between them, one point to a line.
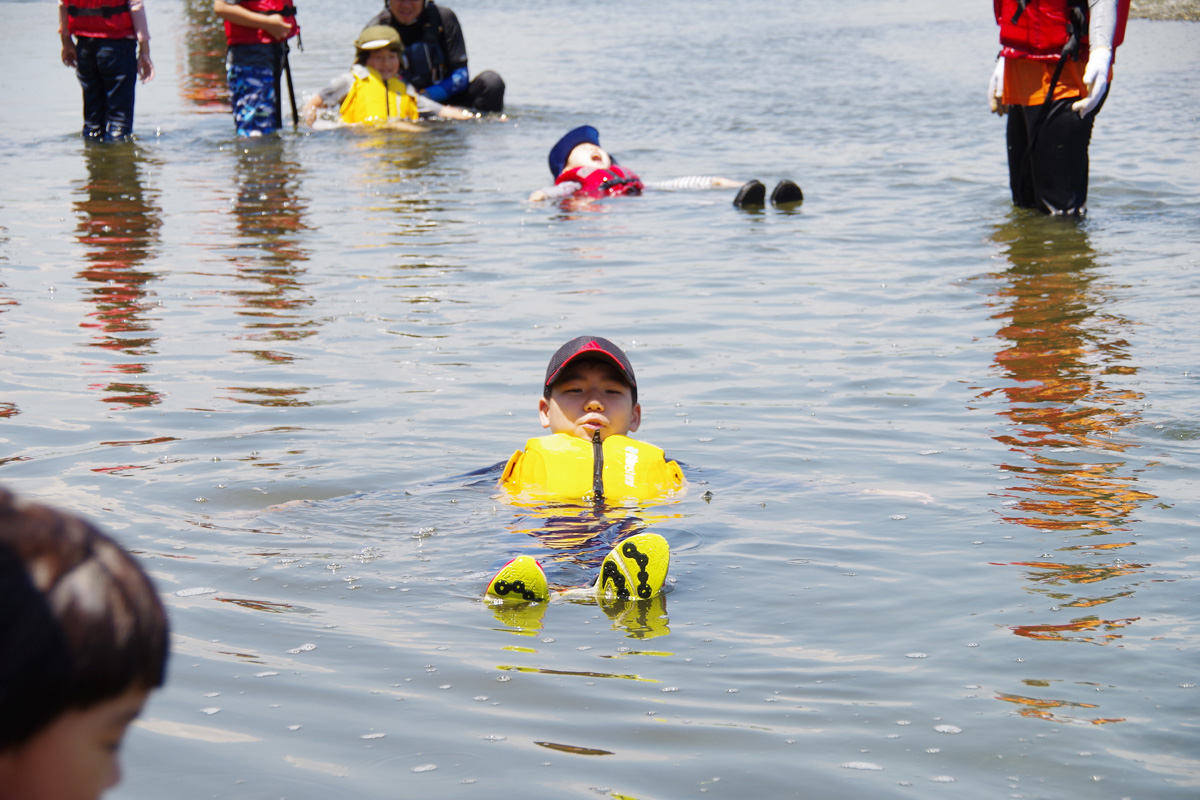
1020	10
104	11
1077	26
613	183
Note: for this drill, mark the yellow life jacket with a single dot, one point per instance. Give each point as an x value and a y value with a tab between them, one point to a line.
370	100
562	467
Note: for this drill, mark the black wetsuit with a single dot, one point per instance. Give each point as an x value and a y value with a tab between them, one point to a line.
436	56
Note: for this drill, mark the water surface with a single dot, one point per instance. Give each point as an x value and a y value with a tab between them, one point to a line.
943	454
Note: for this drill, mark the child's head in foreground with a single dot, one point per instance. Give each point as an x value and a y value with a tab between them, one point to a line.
83	640
579	148
379	47
590	387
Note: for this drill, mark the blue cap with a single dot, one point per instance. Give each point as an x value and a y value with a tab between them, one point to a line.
584	134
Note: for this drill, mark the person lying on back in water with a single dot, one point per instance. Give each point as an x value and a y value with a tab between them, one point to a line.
589	404
582	168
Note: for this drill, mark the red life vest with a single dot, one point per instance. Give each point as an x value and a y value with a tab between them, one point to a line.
100	19
609	182
1043	27
242	34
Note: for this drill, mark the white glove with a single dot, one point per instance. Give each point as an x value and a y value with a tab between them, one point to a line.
1096	78
996	88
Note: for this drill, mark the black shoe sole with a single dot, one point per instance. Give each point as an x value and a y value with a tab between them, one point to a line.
786	192
751	194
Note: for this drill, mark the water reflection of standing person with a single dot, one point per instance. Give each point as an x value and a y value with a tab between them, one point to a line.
1060	366
257	34
270	214
118	223
1051	103
110	50
204	81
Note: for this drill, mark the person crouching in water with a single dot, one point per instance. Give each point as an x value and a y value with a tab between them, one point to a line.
372	91
83	640
583	169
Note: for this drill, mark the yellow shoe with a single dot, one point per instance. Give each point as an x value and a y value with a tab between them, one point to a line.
519	581
635	569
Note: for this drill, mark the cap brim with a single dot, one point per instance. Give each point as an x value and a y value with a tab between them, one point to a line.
375	44
584	134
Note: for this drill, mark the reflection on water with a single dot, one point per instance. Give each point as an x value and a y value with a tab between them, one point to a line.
1060	367
118	223
1054	710
7	409
203	80
270	217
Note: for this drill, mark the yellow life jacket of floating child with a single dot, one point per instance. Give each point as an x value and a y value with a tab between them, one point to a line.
562	467
371	100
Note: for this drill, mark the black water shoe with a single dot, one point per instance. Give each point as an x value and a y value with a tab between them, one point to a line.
750	195
786	192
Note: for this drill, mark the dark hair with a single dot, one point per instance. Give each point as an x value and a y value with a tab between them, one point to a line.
80	622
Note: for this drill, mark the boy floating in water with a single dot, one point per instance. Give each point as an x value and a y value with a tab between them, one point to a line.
83	640
372	90
582	168
589	403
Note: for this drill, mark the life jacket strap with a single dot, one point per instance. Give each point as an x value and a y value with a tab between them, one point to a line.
101	11
597	468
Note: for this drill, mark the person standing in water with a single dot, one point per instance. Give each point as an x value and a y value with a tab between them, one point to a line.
1051	79
436	55
257	33
108	44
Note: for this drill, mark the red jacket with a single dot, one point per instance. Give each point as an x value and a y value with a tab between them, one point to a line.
1043	27
100	19
242	34
603	182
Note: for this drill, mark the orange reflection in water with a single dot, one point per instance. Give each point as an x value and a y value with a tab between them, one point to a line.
203	81
118	223
1052	710
1063	369
1063	372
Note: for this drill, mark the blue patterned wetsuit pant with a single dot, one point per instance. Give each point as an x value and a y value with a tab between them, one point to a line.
254	94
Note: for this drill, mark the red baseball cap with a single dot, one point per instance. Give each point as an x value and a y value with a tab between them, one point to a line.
589	346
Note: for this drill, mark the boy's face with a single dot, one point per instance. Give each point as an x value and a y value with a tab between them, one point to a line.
386	62
75	756
588	155
590	396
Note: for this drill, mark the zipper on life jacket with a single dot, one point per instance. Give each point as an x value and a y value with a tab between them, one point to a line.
597	469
